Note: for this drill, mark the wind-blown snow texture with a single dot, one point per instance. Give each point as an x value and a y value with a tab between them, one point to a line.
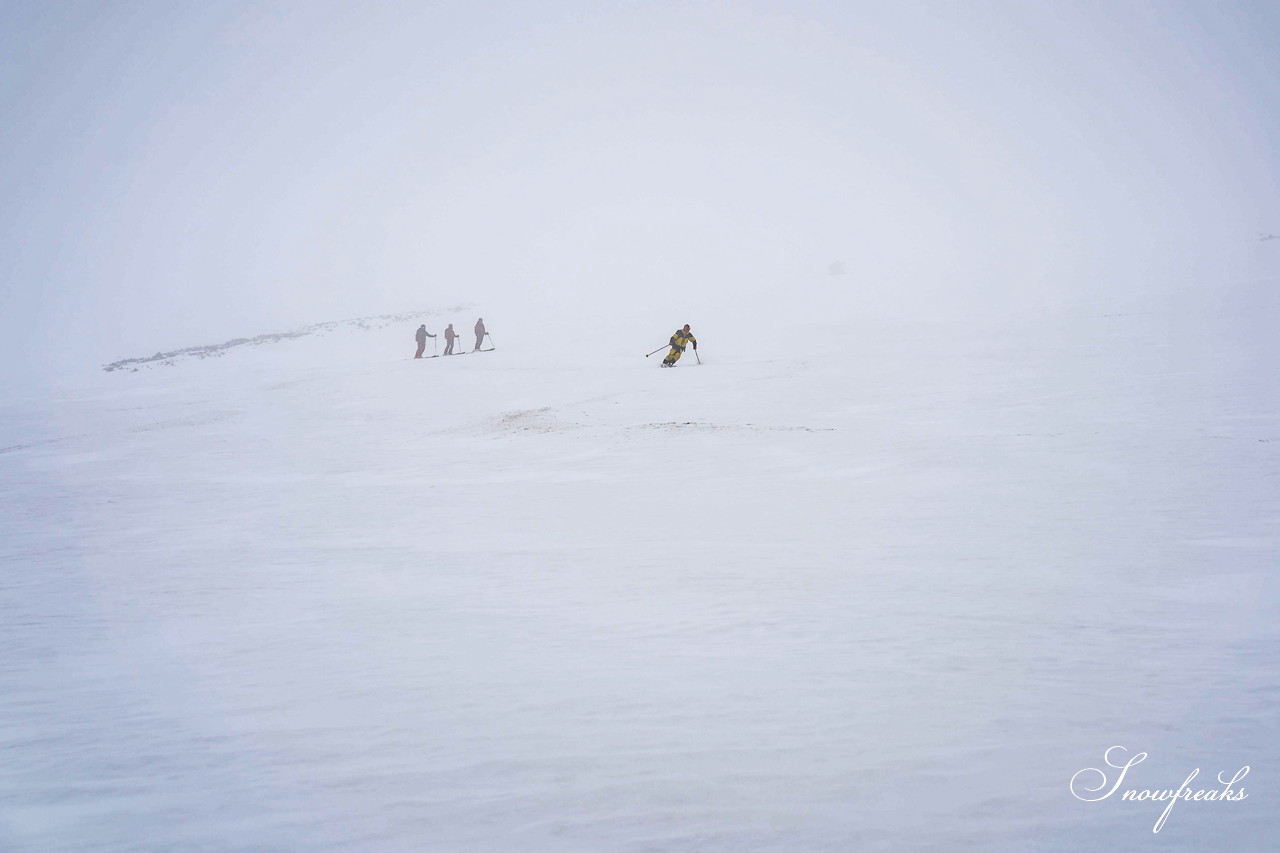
881	584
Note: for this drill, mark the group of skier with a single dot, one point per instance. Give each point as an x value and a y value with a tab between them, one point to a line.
449	337
679	341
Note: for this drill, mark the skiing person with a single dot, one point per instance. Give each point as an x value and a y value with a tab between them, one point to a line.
421	335
449	336
679	341
479	333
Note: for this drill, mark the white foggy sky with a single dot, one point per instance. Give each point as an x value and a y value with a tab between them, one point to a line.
176	174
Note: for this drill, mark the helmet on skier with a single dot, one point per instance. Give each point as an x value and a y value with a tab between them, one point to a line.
686	327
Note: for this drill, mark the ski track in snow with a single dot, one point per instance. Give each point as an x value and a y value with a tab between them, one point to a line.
317	595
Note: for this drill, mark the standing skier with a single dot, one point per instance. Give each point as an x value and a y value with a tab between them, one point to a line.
681	339
449	337
421	335
479	332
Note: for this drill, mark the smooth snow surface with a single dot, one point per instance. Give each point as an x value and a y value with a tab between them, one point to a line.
857	582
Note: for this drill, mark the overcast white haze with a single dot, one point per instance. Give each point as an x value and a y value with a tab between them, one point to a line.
913	545
179	173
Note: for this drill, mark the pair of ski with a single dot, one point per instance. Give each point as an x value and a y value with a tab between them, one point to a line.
464	352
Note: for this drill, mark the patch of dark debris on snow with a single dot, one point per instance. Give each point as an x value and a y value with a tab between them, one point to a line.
531	420
544	420
168	359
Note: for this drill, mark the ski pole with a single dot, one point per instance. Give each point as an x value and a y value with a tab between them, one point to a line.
695	355
659	349
490	337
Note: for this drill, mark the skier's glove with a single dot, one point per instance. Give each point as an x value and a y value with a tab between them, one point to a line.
695	346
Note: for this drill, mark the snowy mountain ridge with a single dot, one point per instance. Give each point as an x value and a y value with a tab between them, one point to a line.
377	322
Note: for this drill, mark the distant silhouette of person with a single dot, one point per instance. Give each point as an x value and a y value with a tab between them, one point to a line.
679	341
479	332
449	337
422	334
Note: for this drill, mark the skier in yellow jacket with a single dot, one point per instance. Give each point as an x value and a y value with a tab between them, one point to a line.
681	339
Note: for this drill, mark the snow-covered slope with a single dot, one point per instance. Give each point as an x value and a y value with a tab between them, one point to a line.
859	581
